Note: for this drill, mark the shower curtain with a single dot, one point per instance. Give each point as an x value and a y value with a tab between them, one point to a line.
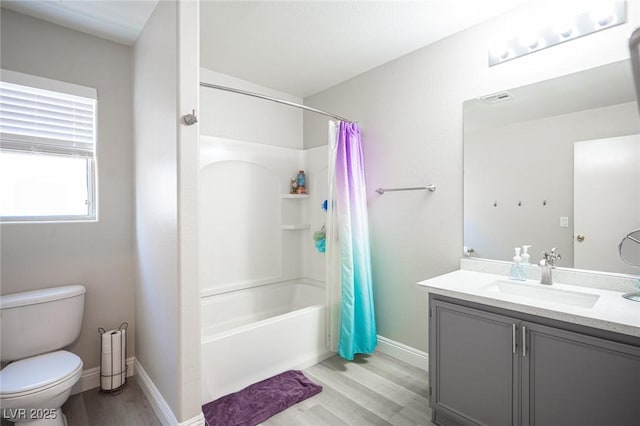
351	324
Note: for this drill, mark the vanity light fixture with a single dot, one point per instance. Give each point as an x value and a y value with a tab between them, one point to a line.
599	16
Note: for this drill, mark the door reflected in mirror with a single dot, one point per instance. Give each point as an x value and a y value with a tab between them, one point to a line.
551	161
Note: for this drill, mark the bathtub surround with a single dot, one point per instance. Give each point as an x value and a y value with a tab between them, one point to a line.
253	232
351	326
256	403
261	278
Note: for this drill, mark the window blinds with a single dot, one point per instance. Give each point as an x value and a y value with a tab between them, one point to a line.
37	120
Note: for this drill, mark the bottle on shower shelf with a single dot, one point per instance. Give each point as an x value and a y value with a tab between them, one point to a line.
301	182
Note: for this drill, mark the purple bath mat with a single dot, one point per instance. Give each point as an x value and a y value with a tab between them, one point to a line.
259	401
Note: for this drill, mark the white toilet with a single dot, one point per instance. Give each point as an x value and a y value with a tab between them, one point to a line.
34	326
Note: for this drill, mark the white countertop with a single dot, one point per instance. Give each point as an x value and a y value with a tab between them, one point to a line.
611	312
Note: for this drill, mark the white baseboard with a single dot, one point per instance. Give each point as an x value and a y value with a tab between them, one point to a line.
411	356
313	361
158	404
91	378
196	421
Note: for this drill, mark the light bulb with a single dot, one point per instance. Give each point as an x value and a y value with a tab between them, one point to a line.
601	12
564	30
530	38
500	52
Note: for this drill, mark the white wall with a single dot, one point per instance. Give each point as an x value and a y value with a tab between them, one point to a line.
155	129
167	305
410	111
98	254
245	118
189	370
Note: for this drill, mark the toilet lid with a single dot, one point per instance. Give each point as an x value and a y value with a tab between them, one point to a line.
37	372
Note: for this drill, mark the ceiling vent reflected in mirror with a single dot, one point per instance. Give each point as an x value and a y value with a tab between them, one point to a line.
497	97
551	23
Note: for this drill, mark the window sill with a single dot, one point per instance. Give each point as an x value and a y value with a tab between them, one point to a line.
24	221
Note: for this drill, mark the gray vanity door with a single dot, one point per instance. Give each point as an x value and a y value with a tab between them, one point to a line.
475	366
572	379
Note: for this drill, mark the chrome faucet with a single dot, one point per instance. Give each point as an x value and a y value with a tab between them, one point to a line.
547	263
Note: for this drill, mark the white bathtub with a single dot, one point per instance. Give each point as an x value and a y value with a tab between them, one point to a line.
250	335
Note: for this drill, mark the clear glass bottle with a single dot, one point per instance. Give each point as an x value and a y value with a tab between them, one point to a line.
525	255
517	270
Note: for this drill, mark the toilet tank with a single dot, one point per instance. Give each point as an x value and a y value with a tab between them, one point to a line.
40	321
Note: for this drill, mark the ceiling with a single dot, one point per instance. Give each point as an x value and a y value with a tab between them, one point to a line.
598	87
299	47
303	47
119	21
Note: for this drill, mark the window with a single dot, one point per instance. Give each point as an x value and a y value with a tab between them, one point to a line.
47	150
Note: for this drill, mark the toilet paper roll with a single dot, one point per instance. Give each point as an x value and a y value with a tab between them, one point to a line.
113	360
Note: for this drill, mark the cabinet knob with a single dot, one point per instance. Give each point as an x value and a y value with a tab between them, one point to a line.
580	238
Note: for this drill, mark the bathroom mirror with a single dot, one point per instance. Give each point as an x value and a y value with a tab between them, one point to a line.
629	248
554	164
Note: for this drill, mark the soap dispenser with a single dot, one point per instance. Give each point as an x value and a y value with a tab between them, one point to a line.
517	270
525	255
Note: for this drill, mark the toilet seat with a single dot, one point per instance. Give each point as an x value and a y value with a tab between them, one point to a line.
38	373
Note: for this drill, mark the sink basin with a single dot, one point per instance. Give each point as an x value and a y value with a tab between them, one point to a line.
539	292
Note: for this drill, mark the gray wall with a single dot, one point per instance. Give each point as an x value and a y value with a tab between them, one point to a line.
410	112
156	209
99	254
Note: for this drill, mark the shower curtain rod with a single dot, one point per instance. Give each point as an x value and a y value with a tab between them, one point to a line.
269	98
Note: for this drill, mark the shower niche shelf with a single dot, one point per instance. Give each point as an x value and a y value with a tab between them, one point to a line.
294	214
295	227
294	196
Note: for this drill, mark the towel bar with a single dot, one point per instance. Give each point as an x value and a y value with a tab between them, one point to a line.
431	188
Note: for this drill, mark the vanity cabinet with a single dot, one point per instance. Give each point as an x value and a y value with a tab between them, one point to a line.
574	379
492	369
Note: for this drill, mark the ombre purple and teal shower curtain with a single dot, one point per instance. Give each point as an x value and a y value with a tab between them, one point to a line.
351	324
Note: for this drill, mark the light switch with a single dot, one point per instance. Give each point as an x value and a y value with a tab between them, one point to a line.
564	222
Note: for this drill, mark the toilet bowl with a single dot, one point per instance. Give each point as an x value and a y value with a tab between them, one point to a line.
33	389
39	376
